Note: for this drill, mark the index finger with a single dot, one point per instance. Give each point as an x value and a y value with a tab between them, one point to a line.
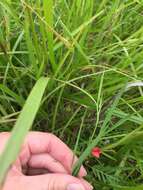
39	142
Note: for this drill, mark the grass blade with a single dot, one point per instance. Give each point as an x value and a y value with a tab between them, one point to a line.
139	187
20	100
22	126
95	141
48	11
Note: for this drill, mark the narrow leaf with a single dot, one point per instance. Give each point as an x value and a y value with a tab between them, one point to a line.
22	126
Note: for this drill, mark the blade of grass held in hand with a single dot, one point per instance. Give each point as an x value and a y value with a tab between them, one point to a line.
22	126
84	155
95	141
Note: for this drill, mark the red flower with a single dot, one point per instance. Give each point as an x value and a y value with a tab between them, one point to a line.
96	152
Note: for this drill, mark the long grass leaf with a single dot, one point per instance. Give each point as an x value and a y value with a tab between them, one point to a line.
48	12
22	126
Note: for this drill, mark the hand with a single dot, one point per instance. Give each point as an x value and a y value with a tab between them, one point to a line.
44	163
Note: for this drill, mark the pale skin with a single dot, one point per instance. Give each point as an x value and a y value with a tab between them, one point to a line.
44	163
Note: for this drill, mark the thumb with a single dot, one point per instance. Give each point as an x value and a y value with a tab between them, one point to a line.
49	182
57	181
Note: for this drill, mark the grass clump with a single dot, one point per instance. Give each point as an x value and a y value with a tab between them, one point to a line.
90	50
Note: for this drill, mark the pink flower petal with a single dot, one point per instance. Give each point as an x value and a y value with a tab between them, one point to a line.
96	152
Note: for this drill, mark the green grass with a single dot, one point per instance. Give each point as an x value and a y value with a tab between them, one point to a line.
90	50
22	126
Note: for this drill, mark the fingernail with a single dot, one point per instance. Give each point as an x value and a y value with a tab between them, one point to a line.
87	185
75	186
84	172
91	187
